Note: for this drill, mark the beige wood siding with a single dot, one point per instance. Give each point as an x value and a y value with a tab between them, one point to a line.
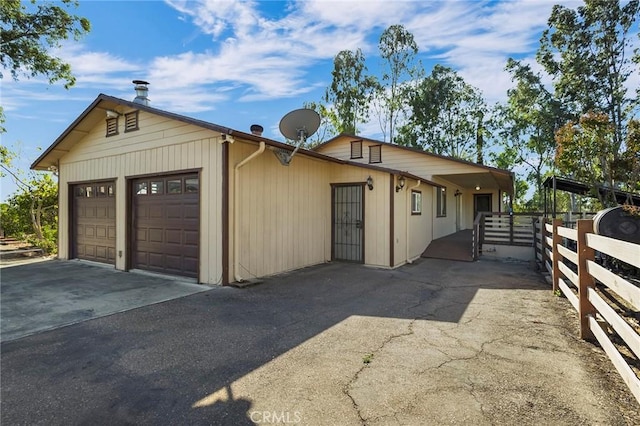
420	232
282	215
398	158
400	229
428	167
376	214
285	212
420	226
160	146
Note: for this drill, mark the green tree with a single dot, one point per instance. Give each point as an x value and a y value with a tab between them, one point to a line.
446	116
586	152
30	33
350	91
32	210
504	159
398	50
526	124
586	52
326	129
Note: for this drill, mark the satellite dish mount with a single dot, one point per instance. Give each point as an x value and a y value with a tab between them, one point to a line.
297	125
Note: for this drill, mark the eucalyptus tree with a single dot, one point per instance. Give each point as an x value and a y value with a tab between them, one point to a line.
350	92
398	50
587	52
327	120
445	116
526	124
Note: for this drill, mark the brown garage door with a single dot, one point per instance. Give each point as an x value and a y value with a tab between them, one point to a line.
94	222
166	223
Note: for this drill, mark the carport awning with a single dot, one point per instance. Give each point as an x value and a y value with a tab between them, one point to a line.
575	187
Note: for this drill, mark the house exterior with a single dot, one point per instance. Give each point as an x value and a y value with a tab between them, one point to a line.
145	189
461	189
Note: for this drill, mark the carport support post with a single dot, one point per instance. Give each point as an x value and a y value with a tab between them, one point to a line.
585	280
556	241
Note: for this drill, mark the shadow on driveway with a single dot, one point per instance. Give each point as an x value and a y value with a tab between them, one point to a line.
181	362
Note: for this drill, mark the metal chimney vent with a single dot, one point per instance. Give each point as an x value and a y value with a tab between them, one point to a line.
141	92
257	129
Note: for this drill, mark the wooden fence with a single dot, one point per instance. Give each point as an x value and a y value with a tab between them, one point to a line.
515	229
569	255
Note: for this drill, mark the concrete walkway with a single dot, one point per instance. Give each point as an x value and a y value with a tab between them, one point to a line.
436	342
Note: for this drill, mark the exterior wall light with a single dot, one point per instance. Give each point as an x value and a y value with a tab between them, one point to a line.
112	114
370	183
457	193
477	187
400	184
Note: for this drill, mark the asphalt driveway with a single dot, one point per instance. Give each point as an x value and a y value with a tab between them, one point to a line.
46	295
437	342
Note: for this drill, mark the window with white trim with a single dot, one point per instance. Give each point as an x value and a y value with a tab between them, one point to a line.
416	202
441	203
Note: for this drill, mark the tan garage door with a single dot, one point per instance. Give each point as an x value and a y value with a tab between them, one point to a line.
94	222
166	223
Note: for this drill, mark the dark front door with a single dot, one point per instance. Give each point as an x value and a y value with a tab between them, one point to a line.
348	222
481	203
166	223
94	222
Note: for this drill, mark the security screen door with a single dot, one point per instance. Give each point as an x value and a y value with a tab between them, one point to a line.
348	222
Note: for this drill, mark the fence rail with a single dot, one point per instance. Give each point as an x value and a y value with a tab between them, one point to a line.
569	255
515	229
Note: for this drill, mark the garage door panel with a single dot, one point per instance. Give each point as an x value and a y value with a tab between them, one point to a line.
141	235
111	233
101	212
174	211
155	235
101	231
174	236
191	238
156	260
155	214
192	212
101	252
166	226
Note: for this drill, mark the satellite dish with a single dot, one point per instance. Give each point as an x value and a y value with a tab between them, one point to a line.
614	222
297	125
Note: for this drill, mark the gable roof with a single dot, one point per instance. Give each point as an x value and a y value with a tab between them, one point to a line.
96	112
414	150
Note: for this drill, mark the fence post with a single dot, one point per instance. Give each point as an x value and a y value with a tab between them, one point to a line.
585	280
557	240
511	227
543	242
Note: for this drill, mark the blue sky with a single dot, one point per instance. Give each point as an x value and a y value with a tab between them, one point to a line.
240	63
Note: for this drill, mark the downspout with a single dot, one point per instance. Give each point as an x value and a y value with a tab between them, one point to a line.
236	211
409	218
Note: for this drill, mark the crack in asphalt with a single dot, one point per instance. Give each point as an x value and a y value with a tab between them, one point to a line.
347	388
